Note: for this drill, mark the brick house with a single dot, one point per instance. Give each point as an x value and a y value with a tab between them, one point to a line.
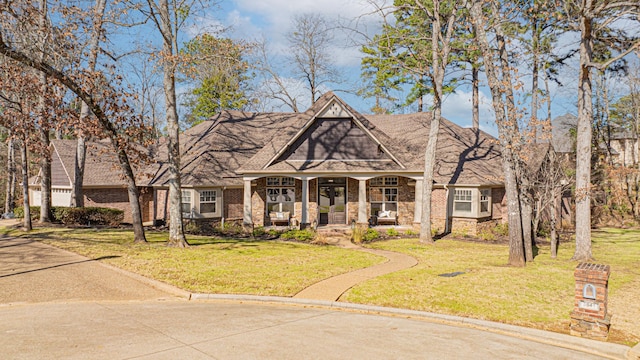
330	166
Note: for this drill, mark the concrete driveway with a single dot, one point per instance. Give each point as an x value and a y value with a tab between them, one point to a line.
57	305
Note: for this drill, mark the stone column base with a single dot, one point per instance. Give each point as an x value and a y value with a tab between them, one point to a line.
586	326
247	228
304	226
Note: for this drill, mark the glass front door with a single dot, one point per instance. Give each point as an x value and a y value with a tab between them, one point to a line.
331	201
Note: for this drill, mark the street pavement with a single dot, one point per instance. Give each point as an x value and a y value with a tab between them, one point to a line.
58	305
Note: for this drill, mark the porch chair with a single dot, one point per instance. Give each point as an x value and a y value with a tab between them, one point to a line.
387	218
277	217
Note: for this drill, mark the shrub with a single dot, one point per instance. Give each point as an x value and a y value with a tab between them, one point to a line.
258	231
78	216
192	227
89	216
392	232
371	235
501	229
410	232
35	212
300	235
487	235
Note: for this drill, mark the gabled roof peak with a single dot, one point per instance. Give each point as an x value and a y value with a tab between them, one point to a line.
334	110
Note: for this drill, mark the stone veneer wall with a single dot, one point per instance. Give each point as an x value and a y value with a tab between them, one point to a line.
119	199
406	201
258	202
353	186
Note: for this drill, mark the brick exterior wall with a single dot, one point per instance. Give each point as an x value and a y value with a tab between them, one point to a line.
499	204
162	204
439	205
233	203
119	199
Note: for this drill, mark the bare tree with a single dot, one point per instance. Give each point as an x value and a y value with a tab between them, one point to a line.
309	42
109	105
590	17
499	75
25	186
77	197
167	19
9	201
274	87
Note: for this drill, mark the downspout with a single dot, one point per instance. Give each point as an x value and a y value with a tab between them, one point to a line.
222	207
447	216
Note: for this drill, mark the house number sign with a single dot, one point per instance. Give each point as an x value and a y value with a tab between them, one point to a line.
589	292
589	305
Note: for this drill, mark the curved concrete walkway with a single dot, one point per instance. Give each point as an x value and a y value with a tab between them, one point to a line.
332	288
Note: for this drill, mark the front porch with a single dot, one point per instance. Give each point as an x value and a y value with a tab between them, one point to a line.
316	201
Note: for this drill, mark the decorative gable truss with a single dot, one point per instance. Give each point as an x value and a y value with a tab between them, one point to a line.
335	134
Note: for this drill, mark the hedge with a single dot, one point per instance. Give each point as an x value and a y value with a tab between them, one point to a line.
78	216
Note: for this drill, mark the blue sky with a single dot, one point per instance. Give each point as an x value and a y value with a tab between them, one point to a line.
271	19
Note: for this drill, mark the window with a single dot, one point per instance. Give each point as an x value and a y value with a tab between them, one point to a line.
462	201
382	195
186	201
474	203
208	201
281	194
485	202
281	181
384	181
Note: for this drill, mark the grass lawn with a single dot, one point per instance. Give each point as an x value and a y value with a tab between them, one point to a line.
539	295
211	265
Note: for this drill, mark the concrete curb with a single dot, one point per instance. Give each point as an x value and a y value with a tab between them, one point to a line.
634	353
598	348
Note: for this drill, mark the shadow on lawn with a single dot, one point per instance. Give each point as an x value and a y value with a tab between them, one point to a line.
60	265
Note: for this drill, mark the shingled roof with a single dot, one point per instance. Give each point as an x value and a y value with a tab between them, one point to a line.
219	151
102	168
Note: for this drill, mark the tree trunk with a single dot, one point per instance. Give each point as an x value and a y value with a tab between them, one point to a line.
25	187
553	224
440	57
45	180
176	229
9	203
134	196
77	196
507	128
475	98
583	144
427	184
526	213
45	163
533	124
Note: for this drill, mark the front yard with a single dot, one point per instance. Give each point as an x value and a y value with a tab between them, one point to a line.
539	295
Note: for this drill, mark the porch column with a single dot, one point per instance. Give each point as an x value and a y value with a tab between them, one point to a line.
362	201
304	218
246	215
417	210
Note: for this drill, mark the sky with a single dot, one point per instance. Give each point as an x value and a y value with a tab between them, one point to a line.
251	20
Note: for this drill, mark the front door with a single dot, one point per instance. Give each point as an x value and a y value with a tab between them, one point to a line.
332	200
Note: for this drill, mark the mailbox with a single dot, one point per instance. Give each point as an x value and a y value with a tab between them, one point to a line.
589	317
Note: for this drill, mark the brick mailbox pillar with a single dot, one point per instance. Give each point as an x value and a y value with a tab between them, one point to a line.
589	317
